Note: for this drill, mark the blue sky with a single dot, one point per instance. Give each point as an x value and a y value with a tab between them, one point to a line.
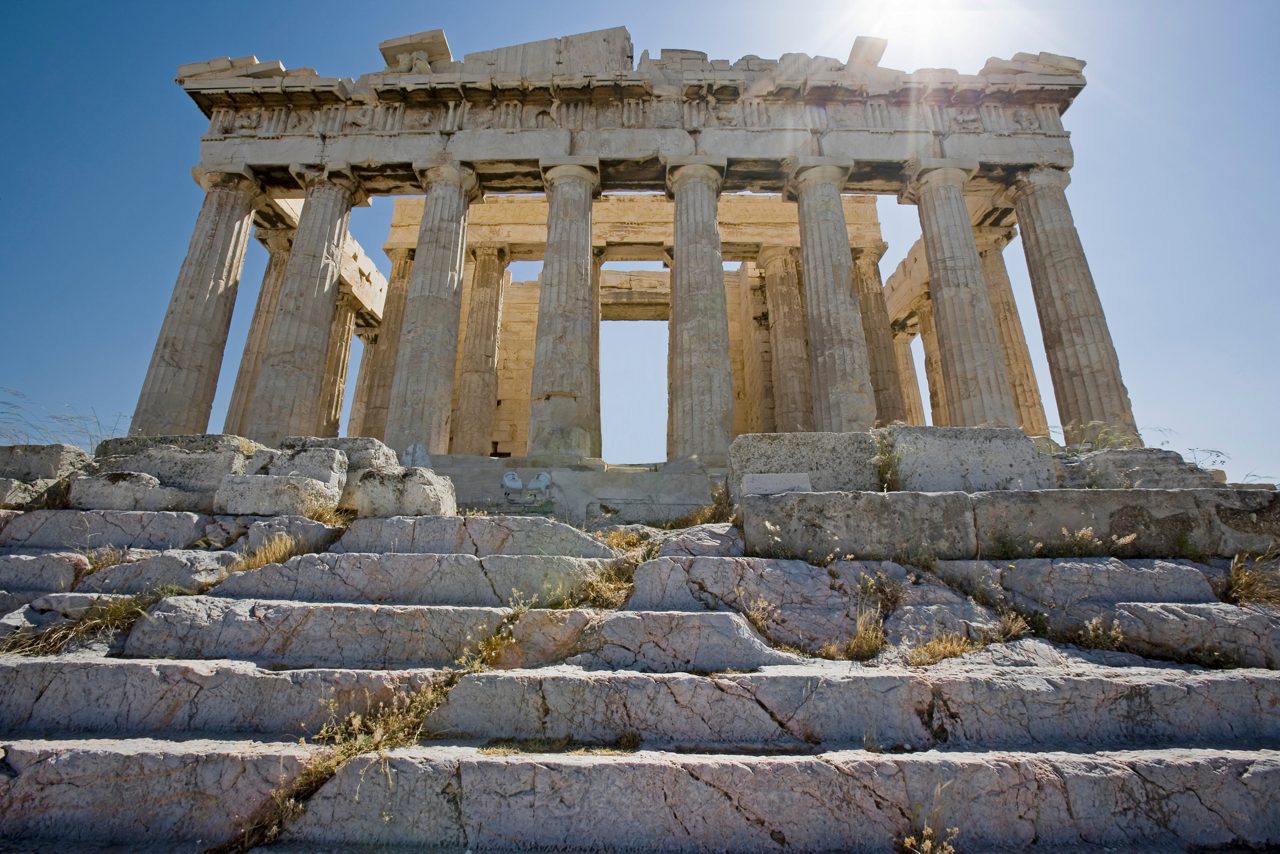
1174	190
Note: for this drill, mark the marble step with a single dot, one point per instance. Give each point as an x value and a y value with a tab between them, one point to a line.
279	633
474	535
415	579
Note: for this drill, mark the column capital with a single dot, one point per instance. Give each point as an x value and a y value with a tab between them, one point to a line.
275	239
930	171
682	170
398	253
988	237
498	251
769	256
561	168
309	175
448	172
235	179
802	172
1038	178
873	253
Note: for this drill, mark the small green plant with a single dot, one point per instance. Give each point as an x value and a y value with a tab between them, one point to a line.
1083	543
1254	580
107	615
881	589
1100	633
887	462
949	645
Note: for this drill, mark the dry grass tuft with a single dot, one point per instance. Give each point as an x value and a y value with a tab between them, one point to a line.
944	646
278	549
610	586
866	643
929	841
1011	627
319	511
105	616
1083	543
488	650
884	592
624	541
1099	633
1254	580
719	510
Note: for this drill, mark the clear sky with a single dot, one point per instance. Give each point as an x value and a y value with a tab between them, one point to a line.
1174	190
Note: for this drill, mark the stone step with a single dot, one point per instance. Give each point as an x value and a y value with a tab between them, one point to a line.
134	697
472	535
838	704
76	530
278	633
189	794
415	579
459	797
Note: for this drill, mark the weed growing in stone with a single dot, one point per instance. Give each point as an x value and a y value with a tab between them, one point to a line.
1083	543
1254	580
624	541
1011	626
883	591
929	841
628	742
100	559
107	615
887	461
949	645
488	650
278	549
1100	633
866	642
720	509
319	511
610	585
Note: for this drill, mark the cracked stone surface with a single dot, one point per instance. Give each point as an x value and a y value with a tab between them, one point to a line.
128	697
89	790
327	465
1248	635
412	579
930	608
271	495
666	641
92	529
714	540
40	462
189	569
474	535
133	491
397	491
47	571
833	801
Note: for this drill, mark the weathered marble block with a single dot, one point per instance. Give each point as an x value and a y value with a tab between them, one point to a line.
40	462
397	491
271	495
833	461
965	459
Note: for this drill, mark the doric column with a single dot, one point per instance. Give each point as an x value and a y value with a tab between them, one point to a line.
421	402
478	371
1082	358
911	401
840	380
933	376
974	377
289	396
182	378
561	396
700	375
875	328
360	400
788	344
1013	342
277	241
382	355
336	361
597	437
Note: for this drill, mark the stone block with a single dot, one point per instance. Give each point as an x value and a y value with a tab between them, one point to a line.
397	491
7	516
772	484
93	529
363	453
198	469
833	461
965	459
311	536
130	490
195	443
327	465
908	527
191	570
49	571
667	642
1213	631
40	462
22	494
473	535
273	495
1131	468
721	539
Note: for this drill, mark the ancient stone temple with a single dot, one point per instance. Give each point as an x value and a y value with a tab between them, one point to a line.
818	625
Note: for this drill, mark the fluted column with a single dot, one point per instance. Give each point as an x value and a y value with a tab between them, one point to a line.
289	397
974	376
597	437
382	355
182	378
1013	341
700	388
911	402
788	344
360	400
1090	392
335	366
478	372
840	380
277	241
560	393
933	376
421	403
876	329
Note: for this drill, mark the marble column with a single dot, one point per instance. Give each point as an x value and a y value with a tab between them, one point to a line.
700	412
1013	342
478	371
788	345
336	361
420	406
360	400
182	378
911	402
1090	392
289	396
277	242
974	376
840	380
933	376
876	329
381	357
560	393
597	436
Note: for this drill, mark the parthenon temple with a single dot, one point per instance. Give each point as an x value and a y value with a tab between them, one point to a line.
570	152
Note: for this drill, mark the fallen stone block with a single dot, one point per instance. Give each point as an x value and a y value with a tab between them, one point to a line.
907	527
722	539
833	461
363	453
274	495
473	535
327	465
20	495
190	570
40	462
1131	468
396	491
128	490
1215	633
93	529
963	459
